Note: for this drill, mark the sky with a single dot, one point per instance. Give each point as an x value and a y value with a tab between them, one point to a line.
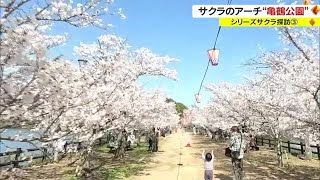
167	28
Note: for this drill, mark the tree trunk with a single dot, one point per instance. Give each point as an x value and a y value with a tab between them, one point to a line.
279	151
80	166
84	167
308	149
138	138
155	144
154	141
122	143
208	133
216	137
56	155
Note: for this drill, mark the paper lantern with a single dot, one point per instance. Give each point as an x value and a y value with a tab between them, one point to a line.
197	96
213	55
82	62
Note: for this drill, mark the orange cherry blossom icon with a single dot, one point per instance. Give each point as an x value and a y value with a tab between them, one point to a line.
312	22
315	9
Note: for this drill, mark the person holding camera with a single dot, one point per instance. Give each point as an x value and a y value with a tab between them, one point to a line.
237	146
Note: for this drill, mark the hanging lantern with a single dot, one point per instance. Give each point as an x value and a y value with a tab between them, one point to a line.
305	2
82	62
197	96
213	55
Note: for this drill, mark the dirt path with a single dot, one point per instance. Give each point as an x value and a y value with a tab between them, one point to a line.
165	164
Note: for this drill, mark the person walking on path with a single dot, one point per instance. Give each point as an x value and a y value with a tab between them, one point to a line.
252	144
237	145
208	165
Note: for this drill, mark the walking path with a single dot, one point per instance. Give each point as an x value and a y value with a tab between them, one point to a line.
165	164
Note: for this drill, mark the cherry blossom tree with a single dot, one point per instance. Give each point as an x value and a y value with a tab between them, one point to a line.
24	65
25	39
57	99
282	100
296	72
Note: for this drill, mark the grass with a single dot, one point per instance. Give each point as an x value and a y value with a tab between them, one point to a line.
120	172
103	149
133	163
38	162
140	151
69	175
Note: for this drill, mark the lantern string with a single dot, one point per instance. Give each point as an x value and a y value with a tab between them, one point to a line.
215	43
204	76
208	64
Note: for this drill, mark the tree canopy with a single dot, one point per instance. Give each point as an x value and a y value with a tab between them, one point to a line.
180	107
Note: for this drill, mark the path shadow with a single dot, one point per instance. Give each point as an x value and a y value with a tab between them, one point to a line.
222	177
